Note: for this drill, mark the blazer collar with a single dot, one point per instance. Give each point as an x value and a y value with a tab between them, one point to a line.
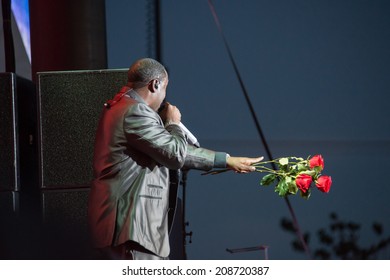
133	94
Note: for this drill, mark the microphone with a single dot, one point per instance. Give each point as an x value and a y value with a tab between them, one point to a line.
191	138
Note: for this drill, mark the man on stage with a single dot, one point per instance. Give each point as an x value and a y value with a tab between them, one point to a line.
135	148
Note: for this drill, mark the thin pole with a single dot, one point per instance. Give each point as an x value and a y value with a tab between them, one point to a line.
158	30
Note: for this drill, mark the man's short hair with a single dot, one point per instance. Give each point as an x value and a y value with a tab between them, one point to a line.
144	70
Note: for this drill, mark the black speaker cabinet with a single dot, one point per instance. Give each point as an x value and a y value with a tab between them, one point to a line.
9	153
18	162
18	153
65	228
69	105
9	204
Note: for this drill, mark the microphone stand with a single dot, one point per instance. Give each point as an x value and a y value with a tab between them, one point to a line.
185	223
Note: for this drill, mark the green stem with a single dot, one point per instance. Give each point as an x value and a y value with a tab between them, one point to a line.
265	169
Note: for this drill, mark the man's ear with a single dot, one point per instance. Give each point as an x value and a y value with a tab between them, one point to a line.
154	85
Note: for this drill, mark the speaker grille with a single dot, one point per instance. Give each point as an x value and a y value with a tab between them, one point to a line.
65	230
66	208
70	104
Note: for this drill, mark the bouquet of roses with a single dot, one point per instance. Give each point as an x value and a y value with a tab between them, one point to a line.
292	174
295	174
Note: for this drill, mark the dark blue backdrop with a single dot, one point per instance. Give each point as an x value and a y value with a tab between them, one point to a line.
318	76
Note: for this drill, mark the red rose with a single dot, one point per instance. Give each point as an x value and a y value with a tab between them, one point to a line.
315	161
323	183
303	182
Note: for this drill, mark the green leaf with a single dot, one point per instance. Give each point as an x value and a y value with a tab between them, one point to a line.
285	168
309	172
291	185
301	167
268	179
283	161
282	188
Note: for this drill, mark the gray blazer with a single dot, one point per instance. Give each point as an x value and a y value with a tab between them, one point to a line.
130	192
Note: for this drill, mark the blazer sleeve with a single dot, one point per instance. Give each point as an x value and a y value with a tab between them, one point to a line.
204	159
145	132
201	158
